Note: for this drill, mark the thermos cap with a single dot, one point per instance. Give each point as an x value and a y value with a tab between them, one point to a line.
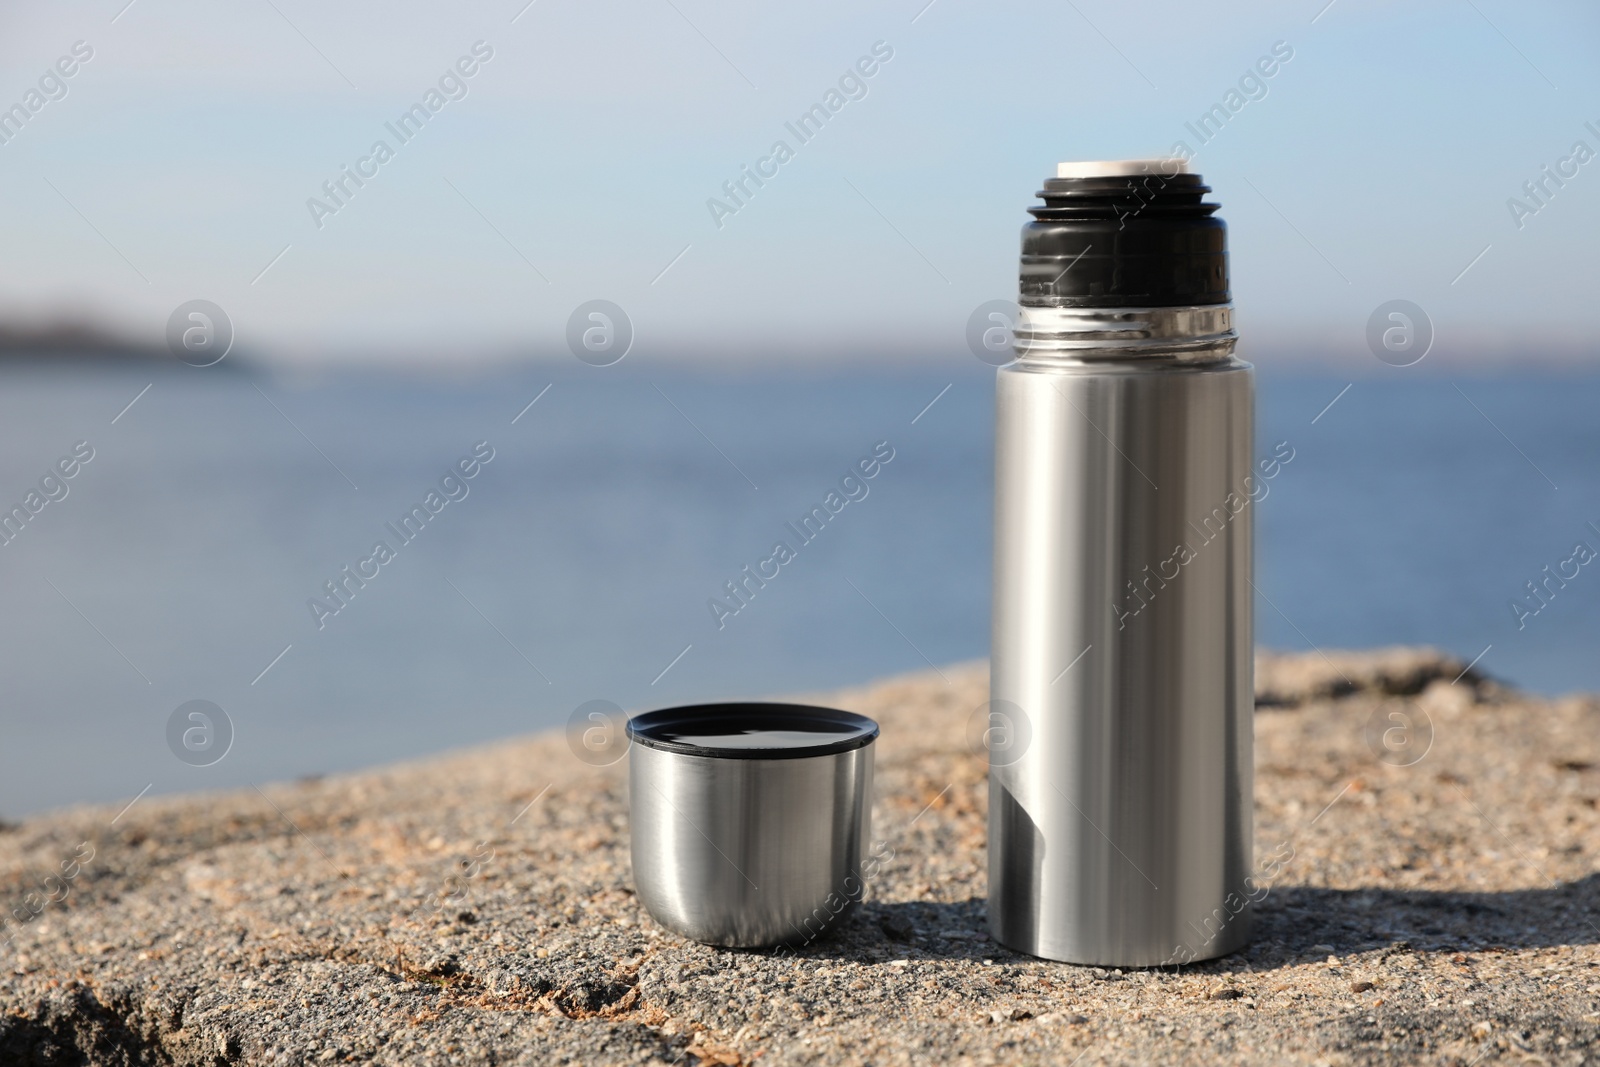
749	821
1132	233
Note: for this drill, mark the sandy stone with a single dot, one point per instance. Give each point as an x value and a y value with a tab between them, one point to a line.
1438	906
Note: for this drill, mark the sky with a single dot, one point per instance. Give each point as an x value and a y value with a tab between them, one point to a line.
582	158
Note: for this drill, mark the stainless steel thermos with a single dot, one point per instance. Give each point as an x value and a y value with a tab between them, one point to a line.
1120	802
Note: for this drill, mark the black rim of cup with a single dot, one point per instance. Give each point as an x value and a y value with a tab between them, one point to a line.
674	730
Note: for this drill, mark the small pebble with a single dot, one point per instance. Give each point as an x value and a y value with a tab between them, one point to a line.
896	928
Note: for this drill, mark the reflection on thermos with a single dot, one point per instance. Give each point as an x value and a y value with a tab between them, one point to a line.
1120	805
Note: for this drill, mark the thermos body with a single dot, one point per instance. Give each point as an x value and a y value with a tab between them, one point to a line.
1122	630
1120	800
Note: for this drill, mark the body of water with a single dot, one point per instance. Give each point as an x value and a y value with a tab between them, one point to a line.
579	559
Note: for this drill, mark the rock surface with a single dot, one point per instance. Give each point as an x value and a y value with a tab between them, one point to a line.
1438	905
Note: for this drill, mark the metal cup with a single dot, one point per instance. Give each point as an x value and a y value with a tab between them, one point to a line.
749	820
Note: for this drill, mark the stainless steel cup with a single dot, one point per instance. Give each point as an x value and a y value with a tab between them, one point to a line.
749	820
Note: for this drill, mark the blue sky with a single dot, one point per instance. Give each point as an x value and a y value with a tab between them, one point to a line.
1377	166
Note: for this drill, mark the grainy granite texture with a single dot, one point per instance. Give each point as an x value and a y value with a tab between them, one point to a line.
1442	912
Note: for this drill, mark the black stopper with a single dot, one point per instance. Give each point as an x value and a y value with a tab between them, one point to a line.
1138	240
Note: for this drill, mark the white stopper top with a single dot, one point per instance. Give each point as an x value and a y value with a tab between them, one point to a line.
1121	168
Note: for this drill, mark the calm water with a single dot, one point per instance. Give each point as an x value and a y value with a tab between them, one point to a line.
580	561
